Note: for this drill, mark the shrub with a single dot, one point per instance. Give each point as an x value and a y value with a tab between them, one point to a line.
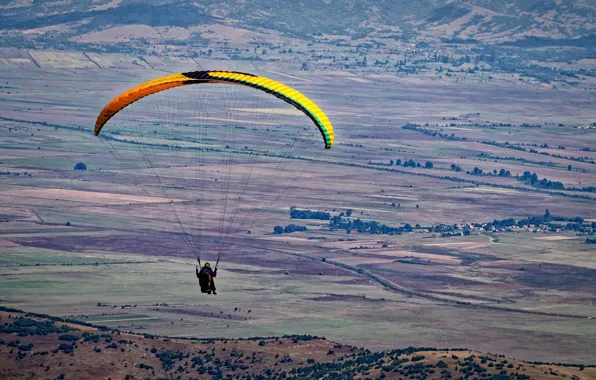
68	337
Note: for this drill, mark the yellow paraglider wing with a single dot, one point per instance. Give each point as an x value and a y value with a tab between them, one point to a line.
280	90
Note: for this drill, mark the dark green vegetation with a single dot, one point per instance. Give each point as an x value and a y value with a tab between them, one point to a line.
288	229
23	326
308	214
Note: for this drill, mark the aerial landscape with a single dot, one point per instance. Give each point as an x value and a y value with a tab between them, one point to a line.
386	189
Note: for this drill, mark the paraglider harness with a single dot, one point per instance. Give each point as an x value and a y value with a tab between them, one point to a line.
205	278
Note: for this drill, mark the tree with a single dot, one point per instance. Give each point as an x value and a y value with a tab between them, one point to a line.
80	166
308	214
278	230
293	228
455	167
428	165
504	173
411	163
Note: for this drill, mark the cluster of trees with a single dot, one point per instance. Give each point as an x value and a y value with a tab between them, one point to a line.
351	144
361	226
393	364
17	174
278	230
18	345
572	158
519	159
414	164
495	173
95	338
406	163
455	168
23	326
308	214
430	132
532	179
590	189
506	144
66	348
475	171
168	358
568	224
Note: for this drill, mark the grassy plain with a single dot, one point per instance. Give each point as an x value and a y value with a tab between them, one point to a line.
529	295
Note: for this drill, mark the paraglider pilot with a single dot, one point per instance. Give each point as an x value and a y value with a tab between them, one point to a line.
205	276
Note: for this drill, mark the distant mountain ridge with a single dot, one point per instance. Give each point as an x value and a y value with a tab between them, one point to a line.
483	20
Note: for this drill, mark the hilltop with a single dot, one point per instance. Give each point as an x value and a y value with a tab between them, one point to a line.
41	346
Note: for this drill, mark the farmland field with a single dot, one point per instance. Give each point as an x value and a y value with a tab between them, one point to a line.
102	245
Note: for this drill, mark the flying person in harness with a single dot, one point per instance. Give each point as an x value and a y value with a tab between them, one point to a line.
206	276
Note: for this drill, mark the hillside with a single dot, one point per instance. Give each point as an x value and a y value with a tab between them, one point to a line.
53	23
40	346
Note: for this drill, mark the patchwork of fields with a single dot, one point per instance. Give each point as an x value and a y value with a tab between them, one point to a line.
96	246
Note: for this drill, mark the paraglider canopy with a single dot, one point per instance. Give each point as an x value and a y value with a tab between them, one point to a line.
222	155
277	89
